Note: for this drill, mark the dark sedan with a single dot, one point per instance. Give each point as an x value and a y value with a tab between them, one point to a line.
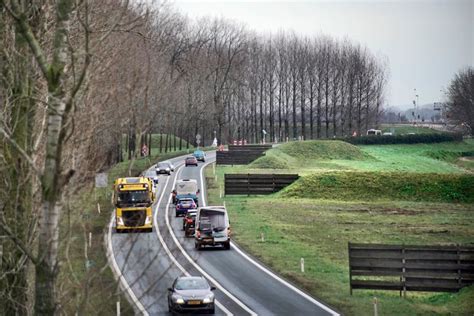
190	161
191	294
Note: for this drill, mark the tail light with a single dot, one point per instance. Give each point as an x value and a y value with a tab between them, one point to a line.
228	231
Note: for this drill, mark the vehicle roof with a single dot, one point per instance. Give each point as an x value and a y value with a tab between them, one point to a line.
132	180
186	180
190	278
198	151
191	157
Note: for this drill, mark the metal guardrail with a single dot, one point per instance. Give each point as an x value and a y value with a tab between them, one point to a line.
410	268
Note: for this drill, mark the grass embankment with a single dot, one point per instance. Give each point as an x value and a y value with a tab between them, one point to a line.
88	281
316	156
370	186
319	228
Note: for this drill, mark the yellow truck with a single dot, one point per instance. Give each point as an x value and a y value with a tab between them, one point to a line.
133	199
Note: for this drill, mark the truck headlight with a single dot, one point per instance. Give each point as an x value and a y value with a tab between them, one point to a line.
208	299
148	220
120	221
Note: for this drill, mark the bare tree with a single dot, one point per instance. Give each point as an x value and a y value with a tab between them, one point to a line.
460	103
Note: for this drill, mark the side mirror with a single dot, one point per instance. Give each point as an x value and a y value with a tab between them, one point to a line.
213	288
170	289
198	191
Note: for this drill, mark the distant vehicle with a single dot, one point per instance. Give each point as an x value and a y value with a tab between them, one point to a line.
164	167
151	174
191	294
133	198
387	134
171	165
183	205
190	161
185	188
212	227
189	222
199	155
374	132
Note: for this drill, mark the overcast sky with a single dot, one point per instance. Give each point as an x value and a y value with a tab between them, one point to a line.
425	41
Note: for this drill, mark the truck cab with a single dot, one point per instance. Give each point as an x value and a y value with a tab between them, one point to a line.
133	198
212	227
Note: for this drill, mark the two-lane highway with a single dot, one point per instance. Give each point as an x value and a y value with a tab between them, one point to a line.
150	263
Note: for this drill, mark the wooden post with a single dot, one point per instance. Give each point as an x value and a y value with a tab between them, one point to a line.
376	311
403	273
350	267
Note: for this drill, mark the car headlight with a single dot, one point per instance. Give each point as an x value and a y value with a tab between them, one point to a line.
208	299
120	221
148	220
178	299
167	169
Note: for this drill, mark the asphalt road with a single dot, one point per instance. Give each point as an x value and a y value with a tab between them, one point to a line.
151	261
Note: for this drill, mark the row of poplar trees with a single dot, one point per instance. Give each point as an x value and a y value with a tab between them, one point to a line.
78	75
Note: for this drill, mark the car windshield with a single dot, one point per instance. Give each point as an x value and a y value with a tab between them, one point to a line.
163	165
191	284
133	197
198	153
186	201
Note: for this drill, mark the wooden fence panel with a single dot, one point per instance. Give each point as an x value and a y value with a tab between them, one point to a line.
247	184
410	268
241	155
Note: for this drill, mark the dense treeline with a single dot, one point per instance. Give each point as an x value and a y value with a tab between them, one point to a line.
76	76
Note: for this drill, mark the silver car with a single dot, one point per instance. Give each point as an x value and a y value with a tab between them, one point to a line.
191	294
164	167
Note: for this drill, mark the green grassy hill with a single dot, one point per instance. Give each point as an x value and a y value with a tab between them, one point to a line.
389	186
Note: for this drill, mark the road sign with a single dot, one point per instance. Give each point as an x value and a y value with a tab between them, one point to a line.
198	136
101	180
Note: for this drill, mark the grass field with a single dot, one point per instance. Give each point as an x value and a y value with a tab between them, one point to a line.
399	129
319	228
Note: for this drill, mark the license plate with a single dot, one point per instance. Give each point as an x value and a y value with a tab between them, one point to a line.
194	302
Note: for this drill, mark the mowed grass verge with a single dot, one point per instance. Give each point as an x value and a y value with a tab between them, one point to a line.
318	229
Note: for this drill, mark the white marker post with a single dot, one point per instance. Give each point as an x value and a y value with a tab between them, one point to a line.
262	236
90	239
376	312
118	308
220	192
98	208
302	265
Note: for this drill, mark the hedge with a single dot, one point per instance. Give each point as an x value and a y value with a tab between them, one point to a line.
404	139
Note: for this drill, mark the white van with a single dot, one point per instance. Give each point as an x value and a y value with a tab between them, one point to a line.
374	132
212	227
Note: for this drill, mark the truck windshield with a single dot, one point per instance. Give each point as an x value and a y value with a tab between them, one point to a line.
133	197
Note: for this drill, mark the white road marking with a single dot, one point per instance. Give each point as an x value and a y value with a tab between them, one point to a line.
204	273
155	222
118	274
268	272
